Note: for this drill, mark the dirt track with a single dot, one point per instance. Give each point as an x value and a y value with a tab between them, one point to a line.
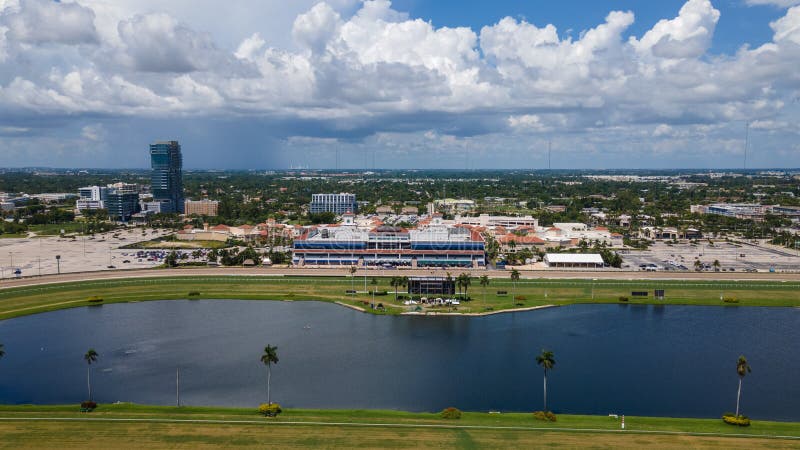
282	271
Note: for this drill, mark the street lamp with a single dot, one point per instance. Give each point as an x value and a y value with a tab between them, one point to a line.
58	263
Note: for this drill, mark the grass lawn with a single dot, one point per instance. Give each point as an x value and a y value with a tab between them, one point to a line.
54	229
150	426
29	300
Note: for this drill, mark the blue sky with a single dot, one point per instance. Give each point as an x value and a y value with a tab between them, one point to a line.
742	24
409	83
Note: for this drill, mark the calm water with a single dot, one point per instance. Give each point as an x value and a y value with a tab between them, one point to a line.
635	360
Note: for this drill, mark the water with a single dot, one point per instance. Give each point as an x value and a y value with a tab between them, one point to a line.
624	359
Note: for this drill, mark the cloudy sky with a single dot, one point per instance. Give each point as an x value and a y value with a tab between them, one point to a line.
403	84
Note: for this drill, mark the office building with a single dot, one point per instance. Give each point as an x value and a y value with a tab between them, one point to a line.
203	207
122	204
91	197
166	178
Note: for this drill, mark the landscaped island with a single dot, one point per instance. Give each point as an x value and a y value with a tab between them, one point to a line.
190	427
497	295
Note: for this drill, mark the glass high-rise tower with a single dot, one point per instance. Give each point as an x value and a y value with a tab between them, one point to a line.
166	179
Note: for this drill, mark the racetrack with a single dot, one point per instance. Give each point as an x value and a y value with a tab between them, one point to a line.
344	272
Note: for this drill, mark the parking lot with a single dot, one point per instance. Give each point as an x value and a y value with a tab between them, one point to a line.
37	255
733	257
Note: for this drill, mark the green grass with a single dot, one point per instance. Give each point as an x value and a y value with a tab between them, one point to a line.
35	299
54	229
478	419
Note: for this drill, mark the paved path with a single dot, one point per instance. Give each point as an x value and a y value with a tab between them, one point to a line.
344	272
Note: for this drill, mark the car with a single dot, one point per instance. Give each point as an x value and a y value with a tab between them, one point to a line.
111	266
126	261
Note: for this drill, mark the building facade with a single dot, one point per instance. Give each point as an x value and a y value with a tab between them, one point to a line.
122	204
201	207
435	245
335	203
166	178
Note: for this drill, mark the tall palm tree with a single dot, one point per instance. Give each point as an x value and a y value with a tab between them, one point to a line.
269	357
742	369
374	284
547	361
465	282
484	283
395	283
514	279
353	278
90	357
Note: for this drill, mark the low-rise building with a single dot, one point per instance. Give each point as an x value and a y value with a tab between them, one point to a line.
573	260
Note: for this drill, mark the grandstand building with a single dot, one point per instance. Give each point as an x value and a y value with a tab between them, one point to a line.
434	245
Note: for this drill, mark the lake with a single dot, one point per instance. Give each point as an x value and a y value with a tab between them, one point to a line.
622	359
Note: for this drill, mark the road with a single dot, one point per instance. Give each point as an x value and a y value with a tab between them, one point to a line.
344	272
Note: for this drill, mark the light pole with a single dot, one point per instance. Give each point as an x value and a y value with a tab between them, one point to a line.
58	263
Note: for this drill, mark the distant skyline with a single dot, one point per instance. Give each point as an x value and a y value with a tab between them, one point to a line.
442	84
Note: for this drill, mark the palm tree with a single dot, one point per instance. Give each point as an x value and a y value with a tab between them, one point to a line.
697	265
374	283
514	279
484	283
547	361
269	357
465	282
716	264
742	369
353	278
90	357
395	283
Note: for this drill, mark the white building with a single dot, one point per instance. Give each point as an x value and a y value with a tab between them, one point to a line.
573	260
487	221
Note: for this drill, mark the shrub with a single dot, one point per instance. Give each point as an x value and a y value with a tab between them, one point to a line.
502	292
730	300
270	410
451	413
544	416
95	299
194	294
88	406
520	298
741	420
622	298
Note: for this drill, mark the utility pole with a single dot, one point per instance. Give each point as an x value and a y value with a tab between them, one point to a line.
549	166
177	386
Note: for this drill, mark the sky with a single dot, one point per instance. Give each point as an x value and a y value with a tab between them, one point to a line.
361	84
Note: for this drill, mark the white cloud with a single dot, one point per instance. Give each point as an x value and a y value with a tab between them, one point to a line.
95	132
314	29
686	36
366	68
157	43
787	28
46	21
